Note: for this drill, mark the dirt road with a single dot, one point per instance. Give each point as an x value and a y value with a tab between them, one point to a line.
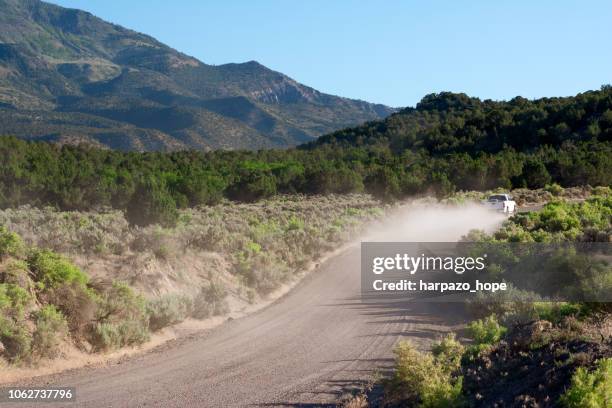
307	349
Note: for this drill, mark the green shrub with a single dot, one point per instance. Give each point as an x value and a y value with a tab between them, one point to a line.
423	379
590	308
210	301
448	352
265	232
120	302
168	310
520	306
16	340
486	331
121	319
554	189
376	212
263	271
590	390
13	330
152	203
17	273
51	329
13	300
512	305
295	223
253	248
104	336
558	216
109	336
52	270
77	303
353	212
555	311
154	239
253	182
10	243
603	191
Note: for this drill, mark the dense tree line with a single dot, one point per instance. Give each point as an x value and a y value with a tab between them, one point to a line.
448	142
447	123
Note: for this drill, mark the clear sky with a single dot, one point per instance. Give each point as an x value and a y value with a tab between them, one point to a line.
388	51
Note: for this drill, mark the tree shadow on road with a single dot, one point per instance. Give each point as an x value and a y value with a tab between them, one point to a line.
394	318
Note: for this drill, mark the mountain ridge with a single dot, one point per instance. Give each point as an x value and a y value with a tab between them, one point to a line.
55	60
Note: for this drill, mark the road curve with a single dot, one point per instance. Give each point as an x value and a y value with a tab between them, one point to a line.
307	350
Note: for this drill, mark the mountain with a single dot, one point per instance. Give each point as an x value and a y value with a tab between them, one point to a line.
66	76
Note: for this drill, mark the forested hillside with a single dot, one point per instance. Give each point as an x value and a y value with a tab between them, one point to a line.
448	142
68	76
448	123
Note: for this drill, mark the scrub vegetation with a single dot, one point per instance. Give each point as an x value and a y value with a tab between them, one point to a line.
522	350
449	142
57	290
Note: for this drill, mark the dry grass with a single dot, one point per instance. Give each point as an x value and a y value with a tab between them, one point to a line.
217	260
261	244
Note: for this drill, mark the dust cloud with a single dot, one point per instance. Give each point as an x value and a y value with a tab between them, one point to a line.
433	222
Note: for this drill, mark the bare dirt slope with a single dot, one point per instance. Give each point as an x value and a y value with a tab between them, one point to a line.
307	349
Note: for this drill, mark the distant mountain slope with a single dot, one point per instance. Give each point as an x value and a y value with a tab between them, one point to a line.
66	74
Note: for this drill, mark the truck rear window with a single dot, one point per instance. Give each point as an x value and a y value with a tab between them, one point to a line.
497	198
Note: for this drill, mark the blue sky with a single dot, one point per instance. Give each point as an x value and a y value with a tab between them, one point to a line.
392	52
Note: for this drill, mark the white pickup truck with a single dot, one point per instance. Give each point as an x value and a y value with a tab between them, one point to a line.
501	202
